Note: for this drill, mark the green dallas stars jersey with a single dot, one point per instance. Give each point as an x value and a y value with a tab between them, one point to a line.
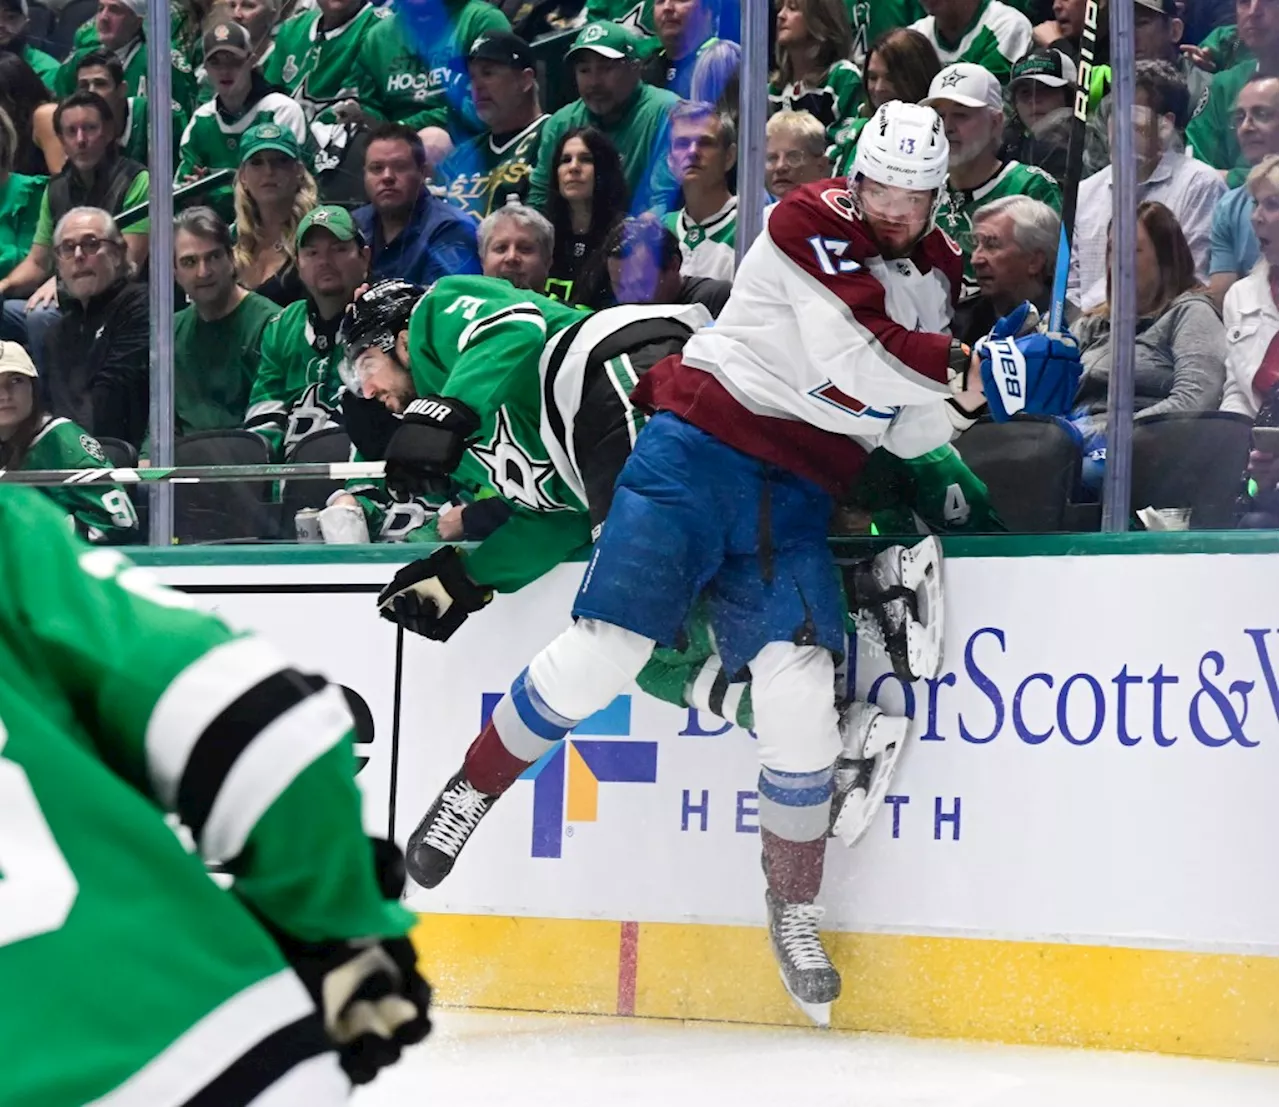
997	36
134	59
136	136
483	174
114	711
955	215
834	102
100	513
416	87
706	248
871	18
296	391
320	69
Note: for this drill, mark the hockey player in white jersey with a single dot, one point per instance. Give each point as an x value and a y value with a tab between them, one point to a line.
833	341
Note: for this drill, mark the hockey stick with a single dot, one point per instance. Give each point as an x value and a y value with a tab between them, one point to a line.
200	474
1075	164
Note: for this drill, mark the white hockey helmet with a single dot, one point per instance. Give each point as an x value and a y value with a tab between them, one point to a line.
903	145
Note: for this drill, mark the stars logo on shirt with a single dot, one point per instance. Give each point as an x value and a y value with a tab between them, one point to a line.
513	472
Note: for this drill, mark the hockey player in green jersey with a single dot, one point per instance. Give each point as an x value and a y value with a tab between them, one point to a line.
30	438
215	137
296	391
131	978
315	62
971	104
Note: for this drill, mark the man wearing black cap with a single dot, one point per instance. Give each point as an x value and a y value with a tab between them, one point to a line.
13	38
1157	35
242	99
1043	90
494	168
613	98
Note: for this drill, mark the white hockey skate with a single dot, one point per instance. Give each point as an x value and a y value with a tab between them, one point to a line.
873	745
896	600
807	972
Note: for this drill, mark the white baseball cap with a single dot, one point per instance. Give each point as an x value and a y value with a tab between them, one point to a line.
967	84
15	359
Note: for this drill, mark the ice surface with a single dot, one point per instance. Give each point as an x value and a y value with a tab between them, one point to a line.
473	1059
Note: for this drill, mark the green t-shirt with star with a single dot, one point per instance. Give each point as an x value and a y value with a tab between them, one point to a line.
996	37
955	215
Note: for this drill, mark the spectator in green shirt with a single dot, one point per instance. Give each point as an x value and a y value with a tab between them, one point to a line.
614	100
19	202
1210	135
217	340
100	71
13	38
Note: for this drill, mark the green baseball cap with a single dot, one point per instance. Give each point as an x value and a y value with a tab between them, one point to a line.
606	38
334	219
269	136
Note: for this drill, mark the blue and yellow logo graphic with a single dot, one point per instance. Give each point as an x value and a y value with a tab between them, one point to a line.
566	781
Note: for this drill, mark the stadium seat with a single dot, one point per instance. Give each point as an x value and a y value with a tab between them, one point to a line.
120	454
1192	459
214	512
62	36
1030	466
325	446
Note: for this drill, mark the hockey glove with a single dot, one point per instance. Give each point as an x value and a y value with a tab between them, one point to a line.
432	597
1026	372
433	435
369	992
482	517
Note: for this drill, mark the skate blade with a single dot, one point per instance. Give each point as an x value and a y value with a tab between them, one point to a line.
921	569
818	1013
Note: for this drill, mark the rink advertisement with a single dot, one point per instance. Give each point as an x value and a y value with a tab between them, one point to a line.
1087	811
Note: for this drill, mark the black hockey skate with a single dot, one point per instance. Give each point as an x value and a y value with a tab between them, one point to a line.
437	840
806	970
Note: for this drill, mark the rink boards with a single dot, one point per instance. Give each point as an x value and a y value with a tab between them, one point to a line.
1081	847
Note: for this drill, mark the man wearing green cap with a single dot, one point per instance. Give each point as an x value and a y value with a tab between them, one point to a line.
297	388
118	26
242	100
613	98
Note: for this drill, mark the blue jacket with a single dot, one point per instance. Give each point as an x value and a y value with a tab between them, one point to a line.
438	241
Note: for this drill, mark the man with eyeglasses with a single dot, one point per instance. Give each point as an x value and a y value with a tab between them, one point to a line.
96	175
1233	245
794	152
99	352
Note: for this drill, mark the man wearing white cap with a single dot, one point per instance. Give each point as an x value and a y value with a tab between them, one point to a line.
967	98
984	32
118	26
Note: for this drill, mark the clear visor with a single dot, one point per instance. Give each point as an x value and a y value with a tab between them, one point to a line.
893	203
357	366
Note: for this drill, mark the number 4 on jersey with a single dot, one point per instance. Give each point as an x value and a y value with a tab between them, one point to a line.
830	254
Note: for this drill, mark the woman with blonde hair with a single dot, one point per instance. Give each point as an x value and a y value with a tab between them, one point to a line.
1179	358
274	191
814	74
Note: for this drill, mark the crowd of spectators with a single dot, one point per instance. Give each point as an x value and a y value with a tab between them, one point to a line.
590	152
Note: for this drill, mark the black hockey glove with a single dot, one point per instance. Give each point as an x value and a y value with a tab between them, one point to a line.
369	992
482	517
432	597
433	435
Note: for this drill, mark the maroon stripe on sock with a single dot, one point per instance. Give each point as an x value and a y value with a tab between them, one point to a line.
490	766
793	869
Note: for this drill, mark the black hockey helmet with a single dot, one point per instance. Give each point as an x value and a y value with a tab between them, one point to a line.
377	316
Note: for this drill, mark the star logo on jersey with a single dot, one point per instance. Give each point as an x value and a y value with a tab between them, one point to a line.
513	472
307	416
